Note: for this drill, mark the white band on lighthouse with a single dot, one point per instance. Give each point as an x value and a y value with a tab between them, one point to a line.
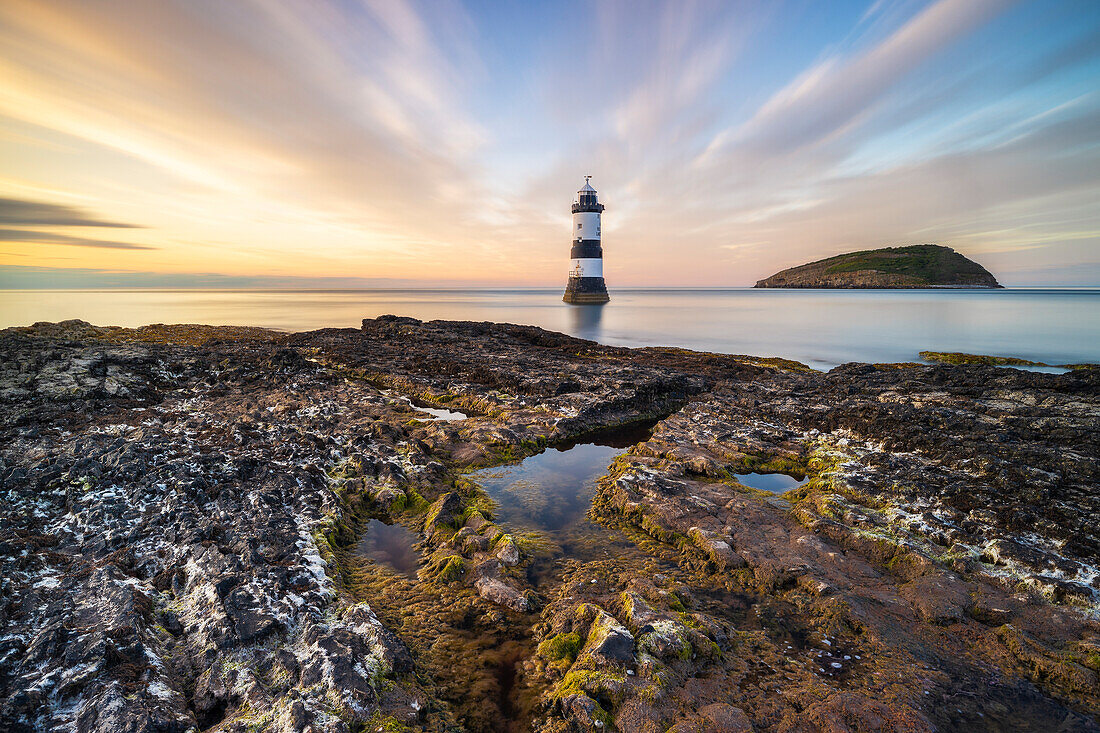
586	267
586	225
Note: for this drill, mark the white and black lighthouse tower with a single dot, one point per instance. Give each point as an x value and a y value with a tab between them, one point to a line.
586	259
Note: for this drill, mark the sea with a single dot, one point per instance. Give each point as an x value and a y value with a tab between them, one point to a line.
821	328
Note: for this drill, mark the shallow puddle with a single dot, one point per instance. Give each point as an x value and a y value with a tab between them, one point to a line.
441	414
547	497
776	483
549	491
437	413
390	545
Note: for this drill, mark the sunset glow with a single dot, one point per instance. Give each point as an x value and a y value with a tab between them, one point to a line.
393	142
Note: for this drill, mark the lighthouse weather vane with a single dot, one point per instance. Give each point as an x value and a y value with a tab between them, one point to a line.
586	285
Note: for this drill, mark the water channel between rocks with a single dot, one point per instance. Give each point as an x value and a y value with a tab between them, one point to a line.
543	502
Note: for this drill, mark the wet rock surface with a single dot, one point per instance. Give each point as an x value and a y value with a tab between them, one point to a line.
182	505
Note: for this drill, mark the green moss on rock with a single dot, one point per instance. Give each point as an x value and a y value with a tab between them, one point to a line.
453	569
561	649
609	686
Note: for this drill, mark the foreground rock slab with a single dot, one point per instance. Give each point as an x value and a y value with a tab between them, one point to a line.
181	505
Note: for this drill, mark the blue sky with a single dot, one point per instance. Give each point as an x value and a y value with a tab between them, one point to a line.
441	142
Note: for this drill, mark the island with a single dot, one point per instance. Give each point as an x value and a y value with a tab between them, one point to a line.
183	510
915	266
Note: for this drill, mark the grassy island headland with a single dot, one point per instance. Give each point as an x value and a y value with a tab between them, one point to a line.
916	266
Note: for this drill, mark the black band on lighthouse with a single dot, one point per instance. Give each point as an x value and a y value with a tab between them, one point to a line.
586	248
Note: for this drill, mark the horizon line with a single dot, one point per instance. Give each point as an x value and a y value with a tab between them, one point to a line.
502	288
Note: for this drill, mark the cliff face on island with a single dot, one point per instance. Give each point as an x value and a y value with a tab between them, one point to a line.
183	505
916	266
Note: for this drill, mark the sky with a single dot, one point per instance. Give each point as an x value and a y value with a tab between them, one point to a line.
393	142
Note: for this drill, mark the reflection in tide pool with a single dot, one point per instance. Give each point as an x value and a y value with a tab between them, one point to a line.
391	545
550	491
547	497
776	483
441	414
437	413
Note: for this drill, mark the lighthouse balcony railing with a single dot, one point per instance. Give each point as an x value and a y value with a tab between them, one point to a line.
577	206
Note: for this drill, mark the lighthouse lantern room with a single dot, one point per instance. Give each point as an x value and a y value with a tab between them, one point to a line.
586	285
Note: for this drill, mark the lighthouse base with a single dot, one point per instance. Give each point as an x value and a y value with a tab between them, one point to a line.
586	291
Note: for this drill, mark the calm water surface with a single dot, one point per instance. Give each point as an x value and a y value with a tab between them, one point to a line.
819	327
391	545
550	491
776	483
441	414
548	495
434	413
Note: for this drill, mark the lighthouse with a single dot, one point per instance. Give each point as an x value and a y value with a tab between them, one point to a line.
586	258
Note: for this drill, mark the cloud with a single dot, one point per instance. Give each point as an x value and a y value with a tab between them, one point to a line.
20	236
1049	161
352	111
431	139
837	93
36	213
20	277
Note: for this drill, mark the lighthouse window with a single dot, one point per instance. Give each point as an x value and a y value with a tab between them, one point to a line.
578	225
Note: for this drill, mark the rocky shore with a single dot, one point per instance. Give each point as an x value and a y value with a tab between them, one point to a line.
182	504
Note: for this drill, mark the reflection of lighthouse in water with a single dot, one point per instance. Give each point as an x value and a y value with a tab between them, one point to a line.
586	258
